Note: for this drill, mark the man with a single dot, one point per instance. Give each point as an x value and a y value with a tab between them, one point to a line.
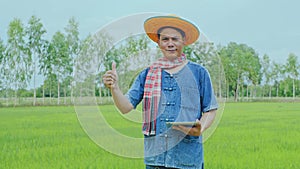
173	89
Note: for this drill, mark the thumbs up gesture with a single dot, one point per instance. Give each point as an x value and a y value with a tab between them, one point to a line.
110	78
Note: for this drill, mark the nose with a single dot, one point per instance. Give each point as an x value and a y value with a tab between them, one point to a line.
170	44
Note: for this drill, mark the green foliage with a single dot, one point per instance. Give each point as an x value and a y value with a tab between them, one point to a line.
2	65
241	65
68	64
206	55
34	48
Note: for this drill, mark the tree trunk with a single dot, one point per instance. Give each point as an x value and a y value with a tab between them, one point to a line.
80	93
254	92
43	94
270	91
285	92
72	99
65	96
58	92
50	91
100	94
16	93
236	91
227	93
247	94
7	97
34	89
242	93
220	81
293	88
277	90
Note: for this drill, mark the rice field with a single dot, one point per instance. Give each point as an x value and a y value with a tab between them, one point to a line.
250	135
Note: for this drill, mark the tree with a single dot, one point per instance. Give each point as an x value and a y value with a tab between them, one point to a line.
4	71
291	68
73	42
252	68
267	72
2	65
276	75
206	55
35	33
90	63
17	59
46	62
61	59
241	63
131	57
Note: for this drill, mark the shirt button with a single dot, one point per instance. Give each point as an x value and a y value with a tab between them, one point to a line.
171	75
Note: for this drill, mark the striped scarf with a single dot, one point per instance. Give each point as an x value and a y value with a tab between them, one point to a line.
152	91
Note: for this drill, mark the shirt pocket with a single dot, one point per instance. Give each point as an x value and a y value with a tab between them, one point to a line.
190	98
189	152
190	104
152	148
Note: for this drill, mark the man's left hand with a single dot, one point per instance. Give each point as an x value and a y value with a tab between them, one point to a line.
193	131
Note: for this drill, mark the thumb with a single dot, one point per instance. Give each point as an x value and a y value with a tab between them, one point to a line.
113	66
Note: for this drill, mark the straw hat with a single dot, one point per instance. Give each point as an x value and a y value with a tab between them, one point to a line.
153	24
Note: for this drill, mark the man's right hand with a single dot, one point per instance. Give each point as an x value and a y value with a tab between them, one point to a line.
110	78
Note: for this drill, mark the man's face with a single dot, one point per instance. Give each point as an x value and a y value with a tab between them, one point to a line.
171	43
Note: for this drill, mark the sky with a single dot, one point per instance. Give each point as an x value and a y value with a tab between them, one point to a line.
270	27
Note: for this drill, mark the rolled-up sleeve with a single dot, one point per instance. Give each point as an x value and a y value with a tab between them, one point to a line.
136	92
208	98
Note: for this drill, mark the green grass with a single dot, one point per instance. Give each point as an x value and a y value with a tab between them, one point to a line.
50	137
250	135
256	135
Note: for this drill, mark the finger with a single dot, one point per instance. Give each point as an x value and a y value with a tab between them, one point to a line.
113	66
108	79
198	122
183	129
194	131
197	125
109	75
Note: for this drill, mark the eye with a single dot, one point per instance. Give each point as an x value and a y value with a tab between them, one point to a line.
165	38
175	39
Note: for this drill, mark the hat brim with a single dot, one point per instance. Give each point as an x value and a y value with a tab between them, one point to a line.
153	24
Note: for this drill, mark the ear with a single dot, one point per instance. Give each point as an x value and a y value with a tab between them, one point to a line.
158	43
183	41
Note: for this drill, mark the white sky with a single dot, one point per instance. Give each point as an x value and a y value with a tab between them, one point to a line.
270	27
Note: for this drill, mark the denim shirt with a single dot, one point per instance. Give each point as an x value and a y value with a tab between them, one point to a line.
185	95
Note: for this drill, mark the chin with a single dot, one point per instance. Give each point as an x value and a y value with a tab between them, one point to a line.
171	57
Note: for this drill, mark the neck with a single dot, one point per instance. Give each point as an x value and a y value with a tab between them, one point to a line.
171	59
176	69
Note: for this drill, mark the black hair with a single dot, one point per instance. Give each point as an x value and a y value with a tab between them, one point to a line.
177	29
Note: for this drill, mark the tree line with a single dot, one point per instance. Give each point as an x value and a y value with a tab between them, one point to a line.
72	67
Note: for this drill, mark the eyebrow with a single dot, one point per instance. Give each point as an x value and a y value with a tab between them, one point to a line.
172	37
177	29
